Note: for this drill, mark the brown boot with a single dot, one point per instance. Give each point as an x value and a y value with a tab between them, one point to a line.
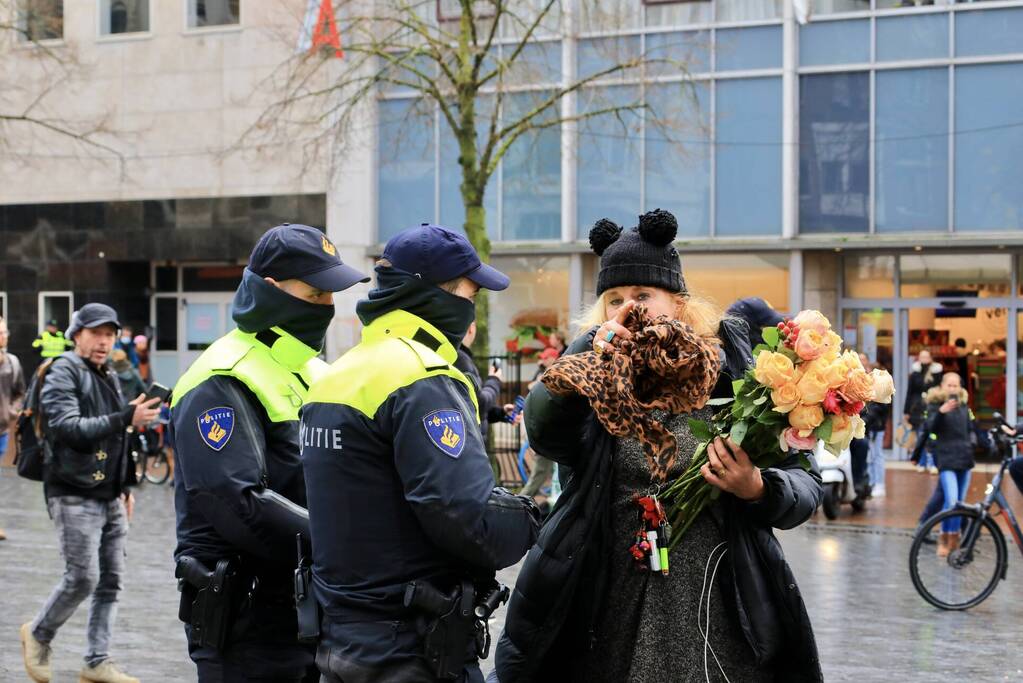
953	541
943	548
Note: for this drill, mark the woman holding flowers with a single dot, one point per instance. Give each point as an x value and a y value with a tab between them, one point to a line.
591	603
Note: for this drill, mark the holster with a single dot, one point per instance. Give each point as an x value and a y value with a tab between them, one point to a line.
208	599
306	606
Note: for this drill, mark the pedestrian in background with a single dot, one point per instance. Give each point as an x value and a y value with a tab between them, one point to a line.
51	342
142	350
757	314
126	343
489	392
12	392
86	486
131	381
949	423
926	375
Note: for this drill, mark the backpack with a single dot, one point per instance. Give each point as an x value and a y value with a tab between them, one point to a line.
30	444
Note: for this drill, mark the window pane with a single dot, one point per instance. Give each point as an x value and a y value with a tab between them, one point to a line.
452	208
608	15
677	159
989	33
748	48
689	52
166	324
833	153
406	167
123	16
679	13
913	37
869	277
762	275
600	54
57	307
834	42
837	6
608	160
981	275
531	176
911	150
203	325
212	12
41	19
211	278
748	149
537	63
748	10
989	146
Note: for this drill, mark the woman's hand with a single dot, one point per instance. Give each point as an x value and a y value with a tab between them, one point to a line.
948	406
730	469
601	343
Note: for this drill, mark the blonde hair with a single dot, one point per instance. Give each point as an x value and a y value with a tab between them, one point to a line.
701	314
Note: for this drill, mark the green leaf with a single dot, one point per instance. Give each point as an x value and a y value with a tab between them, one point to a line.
760	401
737	386
719	401
789	353
700	429
771	337
760	348
804	460
823	432
738	432
748	408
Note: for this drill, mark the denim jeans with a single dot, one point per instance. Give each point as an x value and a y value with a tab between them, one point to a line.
92	535
3	443
876	459
954	484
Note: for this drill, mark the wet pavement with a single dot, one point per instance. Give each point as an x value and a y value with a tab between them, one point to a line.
870	624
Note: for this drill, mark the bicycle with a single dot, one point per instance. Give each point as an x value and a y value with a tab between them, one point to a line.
971	572
149	454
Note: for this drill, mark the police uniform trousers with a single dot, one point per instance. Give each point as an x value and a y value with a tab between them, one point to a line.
336	669
262	646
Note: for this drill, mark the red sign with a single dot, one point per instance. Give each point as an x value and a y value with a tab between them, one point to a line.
325	32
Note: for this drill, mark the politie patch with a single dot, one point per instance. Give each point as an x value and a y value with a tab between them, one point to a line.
216	426
446	430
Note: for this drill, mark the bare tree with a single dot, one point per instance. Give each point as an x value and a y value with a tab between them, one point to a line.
40	64
465	61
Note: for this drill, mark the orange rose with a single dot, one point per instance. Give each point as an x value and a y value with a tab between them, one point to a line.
884	387
812	320
844	429
832	345
812	386
834	372
859	386
773	369
785	397
851	359
809	345
806	418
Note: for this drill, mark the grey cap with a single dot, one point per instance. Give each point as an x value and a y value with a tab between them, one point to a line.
90	316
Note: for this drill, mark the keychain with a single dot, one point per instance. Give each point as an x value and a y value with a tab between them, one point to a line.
653	536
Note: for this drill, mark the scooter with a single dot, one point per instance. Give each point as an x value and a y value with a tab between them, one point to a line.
837	478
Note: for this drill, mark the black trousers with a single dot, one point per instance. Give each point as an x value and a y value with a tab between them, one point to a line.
337	669
263	646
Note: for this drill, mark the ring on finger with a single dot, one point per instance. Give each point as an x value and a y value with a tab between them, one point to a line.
609	336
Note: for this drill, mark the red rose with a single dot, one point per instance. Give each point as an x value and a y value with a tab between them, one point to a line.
853	408
832	403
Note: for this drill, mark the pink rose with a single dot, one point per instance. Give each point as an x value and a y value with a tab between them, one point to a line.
813	320
800	443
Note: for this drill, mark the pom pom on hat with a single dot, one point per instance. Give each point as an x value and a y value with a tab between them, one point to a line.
603	234
656	227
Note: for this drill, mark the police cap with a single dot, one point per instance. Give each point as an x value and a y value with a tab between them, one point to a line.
303	253
438	255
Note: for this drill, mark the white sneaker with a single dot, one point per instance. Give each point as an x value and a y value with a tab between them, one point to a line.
877	492
932	469
104	672
36	656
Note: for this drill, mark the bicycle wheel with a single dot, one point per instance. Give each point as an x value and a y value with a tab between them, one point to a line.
970	573
157	467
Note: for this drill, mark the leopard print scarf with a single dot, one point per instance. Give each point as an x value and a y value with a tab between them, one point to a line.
665	365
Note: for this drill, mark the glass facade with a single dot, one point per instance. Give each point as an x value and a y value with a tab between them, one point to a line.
123	16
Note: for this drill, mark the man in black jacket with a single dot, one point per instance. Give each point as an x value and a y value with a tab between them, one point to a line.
488	393
926	374
87	475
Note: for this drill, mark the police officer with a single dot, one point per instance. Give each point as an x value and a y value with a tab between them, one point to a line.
52	342
401	493
239	493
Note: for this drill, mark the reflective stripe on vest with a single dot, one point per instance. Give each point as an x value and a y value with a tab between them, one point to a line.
53	345
274	365
396	350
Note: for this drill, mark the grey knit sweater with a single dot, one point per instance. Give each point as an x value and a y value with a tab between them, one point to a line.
649	627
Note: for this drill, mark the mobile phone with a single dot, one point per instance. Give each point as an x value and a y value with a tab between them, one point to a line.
496	364
157	390
520	403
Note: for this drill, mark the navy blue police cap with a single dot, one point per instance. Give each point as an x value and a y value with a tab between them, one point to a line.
437	255
303	253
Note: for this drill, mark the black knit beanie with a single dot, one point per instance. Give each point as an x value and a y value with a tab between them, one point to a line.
640	256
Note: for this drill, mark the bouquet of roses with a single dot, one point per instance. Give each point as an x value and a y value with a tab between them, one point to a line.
803	388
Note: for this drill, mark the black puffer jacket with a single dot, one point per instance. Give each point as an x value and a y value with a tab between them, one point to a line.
950	440
487	393
84	421
557	594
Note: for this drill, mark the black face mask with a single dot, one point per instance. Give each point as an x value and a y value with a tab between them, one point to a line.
397	290
258	306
